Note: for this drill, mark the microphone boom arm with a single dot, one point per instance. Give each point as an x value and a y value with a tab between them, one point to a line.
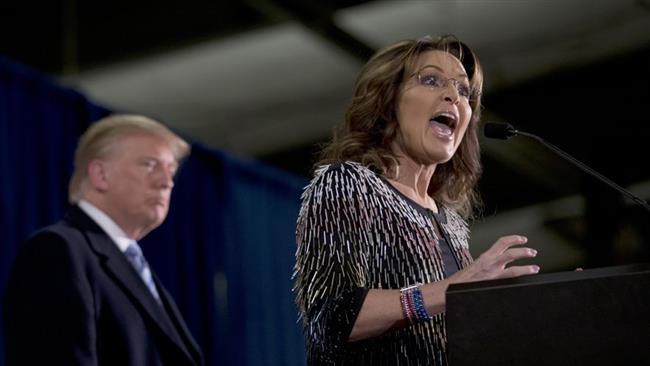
586	169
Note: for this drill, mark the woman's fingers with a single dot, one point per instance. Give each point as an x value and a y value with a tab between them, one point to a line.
516	271
514	254
505	242
492	264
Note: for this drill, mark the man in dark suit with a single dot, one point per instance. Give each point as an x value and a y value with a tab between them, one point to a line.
80	291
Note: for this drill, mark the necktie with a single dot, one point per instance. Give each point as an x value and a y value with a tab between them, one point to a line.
134	254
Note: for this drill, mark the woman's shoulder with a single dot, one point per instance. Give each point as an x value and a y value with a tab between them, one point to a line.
349	171
344	167
345	179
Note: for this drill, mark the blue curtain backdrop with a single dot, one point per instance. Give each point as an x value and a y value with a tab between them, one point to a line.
225	251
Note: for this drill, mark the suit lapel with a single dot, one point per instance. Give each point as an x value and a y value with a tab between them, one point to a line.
118	267
176	318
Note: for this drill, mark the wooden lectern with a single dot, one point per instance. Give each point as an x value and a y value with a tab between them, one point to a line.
594	317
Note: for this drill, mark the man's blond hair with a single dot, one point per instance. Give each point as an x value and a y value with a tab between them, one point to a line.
99	140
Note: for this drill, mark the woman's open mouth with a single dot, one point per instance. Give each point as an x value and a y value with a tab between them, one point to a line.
443	124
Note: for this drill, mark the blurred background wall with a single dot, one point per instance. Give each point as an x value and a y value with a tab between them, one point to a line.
259	84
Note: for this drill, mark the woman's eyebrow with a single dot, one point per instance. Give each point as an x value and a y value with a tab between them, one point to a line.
462	75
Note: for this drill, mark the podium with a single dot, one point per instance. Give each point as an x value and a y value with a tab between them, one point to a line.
593	317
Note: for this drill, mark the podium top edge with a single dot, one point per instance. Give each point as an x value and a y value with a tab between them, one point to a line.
555	277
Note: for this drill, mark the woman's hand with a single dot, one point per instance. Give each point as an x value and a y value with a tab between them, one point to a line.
492	263
382	309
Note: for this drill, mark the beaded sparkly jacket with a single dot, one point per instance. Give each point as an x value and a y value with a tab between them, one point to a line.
356	232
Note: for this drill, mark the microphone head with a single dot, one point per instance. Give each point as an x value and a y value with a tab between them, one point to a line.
501	131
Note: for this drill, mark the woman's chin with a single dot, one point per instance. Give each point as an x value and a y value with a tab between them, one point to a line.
439	156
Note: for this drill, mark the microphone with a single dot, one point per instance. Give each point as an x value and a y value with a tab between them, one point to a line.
502	131
505	131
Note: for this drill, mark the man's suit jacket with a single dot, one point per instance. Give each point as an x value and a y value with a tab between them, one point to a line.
73	298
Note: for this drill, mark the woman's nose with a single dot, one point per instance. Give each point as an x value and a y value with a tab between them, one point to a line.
450	93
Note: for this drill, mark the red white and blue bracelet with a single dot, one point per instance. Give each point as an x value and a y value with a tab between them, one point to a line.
413	304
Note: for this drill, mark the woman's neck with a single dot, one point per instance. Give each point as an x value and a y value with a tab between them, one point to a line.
413	180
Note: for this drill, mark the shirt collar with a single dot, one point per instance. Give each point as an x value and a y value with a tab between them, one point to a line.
107	224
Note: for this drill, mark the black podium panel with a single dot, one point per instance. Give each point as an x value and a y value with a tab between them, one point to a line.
593	317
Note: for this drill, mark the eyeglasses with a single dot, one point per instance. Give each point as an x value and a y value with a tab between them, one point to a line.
432	79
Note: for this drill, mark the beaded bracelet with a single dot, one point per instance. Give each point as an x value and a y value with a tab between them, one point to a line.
413	304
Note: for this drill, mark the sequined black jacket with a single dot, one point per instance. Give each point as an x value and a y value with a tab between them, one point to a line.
355	232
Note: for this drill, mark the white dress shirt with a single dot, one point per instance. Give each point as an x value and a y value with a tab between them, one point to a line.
107	224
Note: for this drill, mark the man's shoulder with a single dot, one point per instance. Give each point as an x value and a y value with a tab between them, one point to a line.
65	228
58	248
55	236
65	236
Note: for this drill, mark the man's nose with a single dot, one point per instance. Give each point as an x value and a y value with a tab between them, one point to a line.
166	178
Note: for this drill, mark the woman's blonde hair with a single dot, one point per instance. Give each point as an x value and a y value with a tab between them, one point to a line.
370	124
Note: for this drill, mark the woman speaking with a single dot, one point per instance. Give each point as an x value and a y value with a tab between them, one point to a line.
382	229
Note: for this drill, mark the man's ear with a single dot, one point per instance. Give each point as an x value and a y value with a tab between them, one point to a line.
97	175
